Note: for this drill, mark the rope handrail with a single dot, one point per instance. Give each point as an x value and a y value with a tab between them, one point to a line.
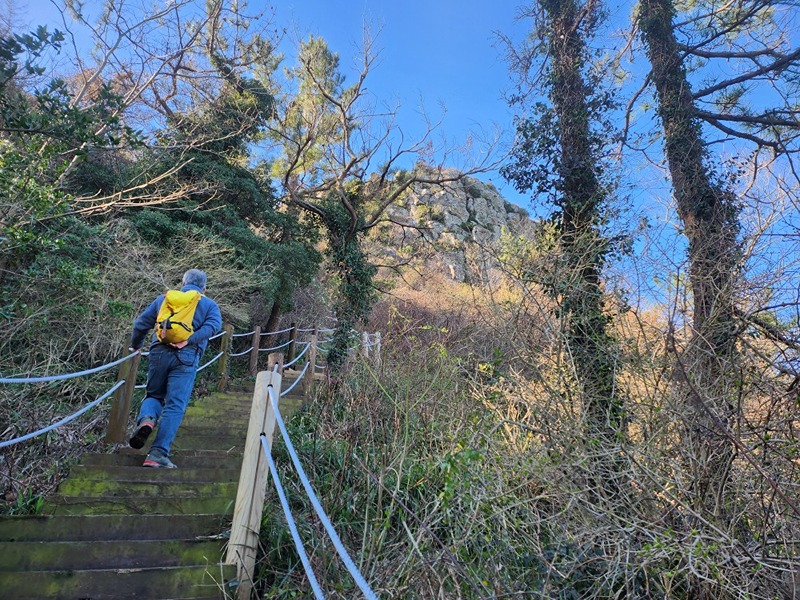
248	351
275	348
276	332
65	420
298	357
218	335
66	376
210	362
238	335
301	550
296	381
334	537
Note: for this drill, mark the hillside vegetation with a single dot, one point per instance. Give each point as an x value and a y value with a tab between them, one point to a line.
599	402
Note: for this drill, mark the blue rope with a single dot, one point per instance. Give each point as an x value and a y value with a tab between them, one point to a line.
65	419
236	335
298	357
275	348
209	362
276	332
67	376
348	562
296	381
242	353
291	522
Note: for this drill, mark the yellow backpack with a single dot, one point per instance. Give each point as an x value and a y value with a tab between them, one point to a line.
174	320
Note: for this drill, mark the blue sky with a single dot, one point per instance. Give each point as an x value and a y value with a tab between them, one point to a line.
441	54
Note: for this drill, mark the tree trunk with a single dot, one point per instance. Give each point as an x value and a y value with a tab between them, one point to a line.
708	212
580	199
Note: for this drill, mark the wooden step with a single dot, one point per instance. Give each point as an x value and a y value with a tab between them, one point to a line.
177	583
78	528
93	555
90	488
188	459
59	504
142	474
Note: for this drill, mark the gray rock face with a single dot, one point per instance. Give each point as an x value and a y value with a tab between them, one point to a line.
451	228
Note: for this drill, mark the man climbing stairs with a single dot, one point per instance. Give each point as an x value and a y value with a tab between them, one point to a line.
116	529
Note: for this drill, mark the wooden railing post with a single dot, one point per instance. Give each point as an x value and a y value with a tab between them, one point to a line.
376	354
365	344
121	404
292	337
252	488
254	352
225	345
308	384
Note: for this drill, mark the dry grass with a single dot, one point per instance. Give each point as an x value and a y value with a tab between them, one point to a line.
461	467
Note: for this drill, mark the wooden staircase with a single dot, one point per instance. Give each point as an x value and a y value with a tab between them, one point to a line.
116	529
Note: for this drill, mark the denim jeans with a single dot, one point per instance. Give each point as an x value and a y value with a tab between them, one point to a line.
170	380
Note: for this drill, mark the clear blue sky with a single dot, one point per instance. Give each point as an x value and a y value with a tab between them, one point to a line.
440	53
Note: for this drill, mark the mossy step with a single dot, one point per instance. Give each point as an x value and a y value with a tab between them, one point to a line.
176	583
59	504
64	556
220	427
222	396
240	408
145	489
61	528
194	441
230	414
139	473
188	459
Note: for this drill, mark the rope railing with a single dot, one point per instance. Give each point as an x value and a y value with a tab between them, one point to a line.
66	375
65	420
212	361
131	384
263	333
296	381
298	542
298	357
238	335
248	351
326	523
311	329
283	345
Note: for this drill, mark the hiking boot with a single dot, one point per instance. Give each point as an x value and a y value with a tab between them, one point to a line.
157	460
143	430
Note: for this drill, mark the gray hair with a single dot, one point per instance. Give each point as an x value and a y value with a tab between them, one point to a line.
195	277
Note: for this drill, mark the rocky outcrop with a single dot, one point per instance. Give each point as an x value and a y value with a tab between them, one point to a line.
451	228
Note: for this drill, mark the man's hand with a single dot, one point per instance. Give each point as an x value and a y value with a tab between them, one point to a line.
179	345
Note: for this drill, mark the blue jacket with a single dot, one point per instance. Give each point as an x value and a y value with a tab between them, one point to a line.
206	322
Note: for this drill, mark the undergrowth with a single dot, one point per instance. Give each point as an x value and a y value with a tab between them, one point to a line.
453	470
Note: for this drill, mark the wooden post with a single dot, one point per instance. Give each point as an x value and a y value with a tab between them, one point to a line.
292	336
365	344
308	384
376	355
253	480
225	345
121	404
254	352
